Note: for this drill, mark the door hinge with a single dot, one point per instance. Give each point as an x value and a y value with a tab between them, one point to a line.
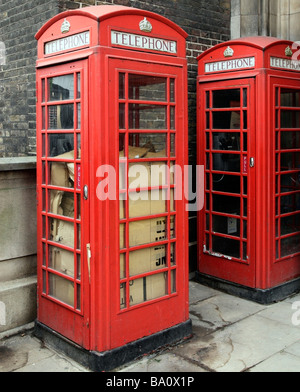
89	256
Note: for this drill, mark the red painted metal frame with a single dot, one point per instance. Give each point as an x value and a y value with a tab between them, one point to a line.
101	325
264	270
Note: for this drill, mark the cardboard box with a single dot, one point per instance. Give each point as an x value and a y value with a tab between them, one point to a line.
144	289
61	289
147	260
136	293
62	261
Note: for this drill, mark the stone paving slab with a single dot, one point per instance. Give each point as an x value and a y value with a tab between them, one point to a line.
231	334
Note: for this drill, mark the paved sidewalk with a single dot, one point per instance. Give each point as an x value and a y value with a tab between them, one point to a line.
230	335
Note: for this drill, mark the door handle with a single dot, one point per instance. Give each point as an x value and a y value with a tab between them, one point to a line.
89	256
85	192
252	162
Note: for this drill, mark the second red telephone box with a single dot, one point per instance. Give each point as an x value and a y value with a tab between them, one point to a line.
112	236
249	144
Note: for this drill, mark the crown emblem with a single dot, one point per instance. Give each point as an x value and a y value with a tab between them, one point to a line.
65	27
229	52
288	52
145	25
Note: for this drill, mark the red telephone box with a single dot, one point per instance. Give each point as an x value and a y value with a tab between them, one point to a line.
249	143
112	238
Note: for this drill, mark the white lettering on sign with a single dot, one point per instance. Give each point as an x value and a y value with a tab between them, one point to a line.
229	65
142	42
291	65
71	42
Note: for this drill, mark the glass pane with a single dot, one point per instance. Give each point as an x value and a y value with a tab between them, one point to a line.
61	116
173	281
226	204
61	174
290	140
225	183
78	136
226	162
147	145
61	260
122	265
122	295
290	245
146	203
290	119
145	174
43	117
148	288
61	88
61	232
147	88
43	90
226	225
78	115
142	116
226	98
226	120
147	231
290	224
122	236
121	86
290	160
172	90
122	116
61	203
78	266
173	254
172	145
290	98
61	289
290	182
61	143
78	95
172	118
226	141
146	260
225	246
78	299
290	203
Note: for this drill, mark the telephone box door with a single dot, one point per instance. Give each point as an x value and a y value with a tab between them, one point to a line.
286	132
63	214
227	150
149	280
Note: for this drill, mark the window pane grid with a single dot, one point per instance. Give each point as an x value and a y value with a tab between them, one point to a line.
146	104
287	172
62	165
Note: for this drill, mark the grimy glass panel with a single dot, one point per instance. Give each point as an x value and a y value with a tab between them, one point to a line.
147	88
61	88
59	144
147	145
61	289
61	116
144	116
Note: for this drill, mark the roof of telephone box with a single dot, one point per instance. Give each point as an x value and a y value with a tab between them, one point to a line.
102	12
